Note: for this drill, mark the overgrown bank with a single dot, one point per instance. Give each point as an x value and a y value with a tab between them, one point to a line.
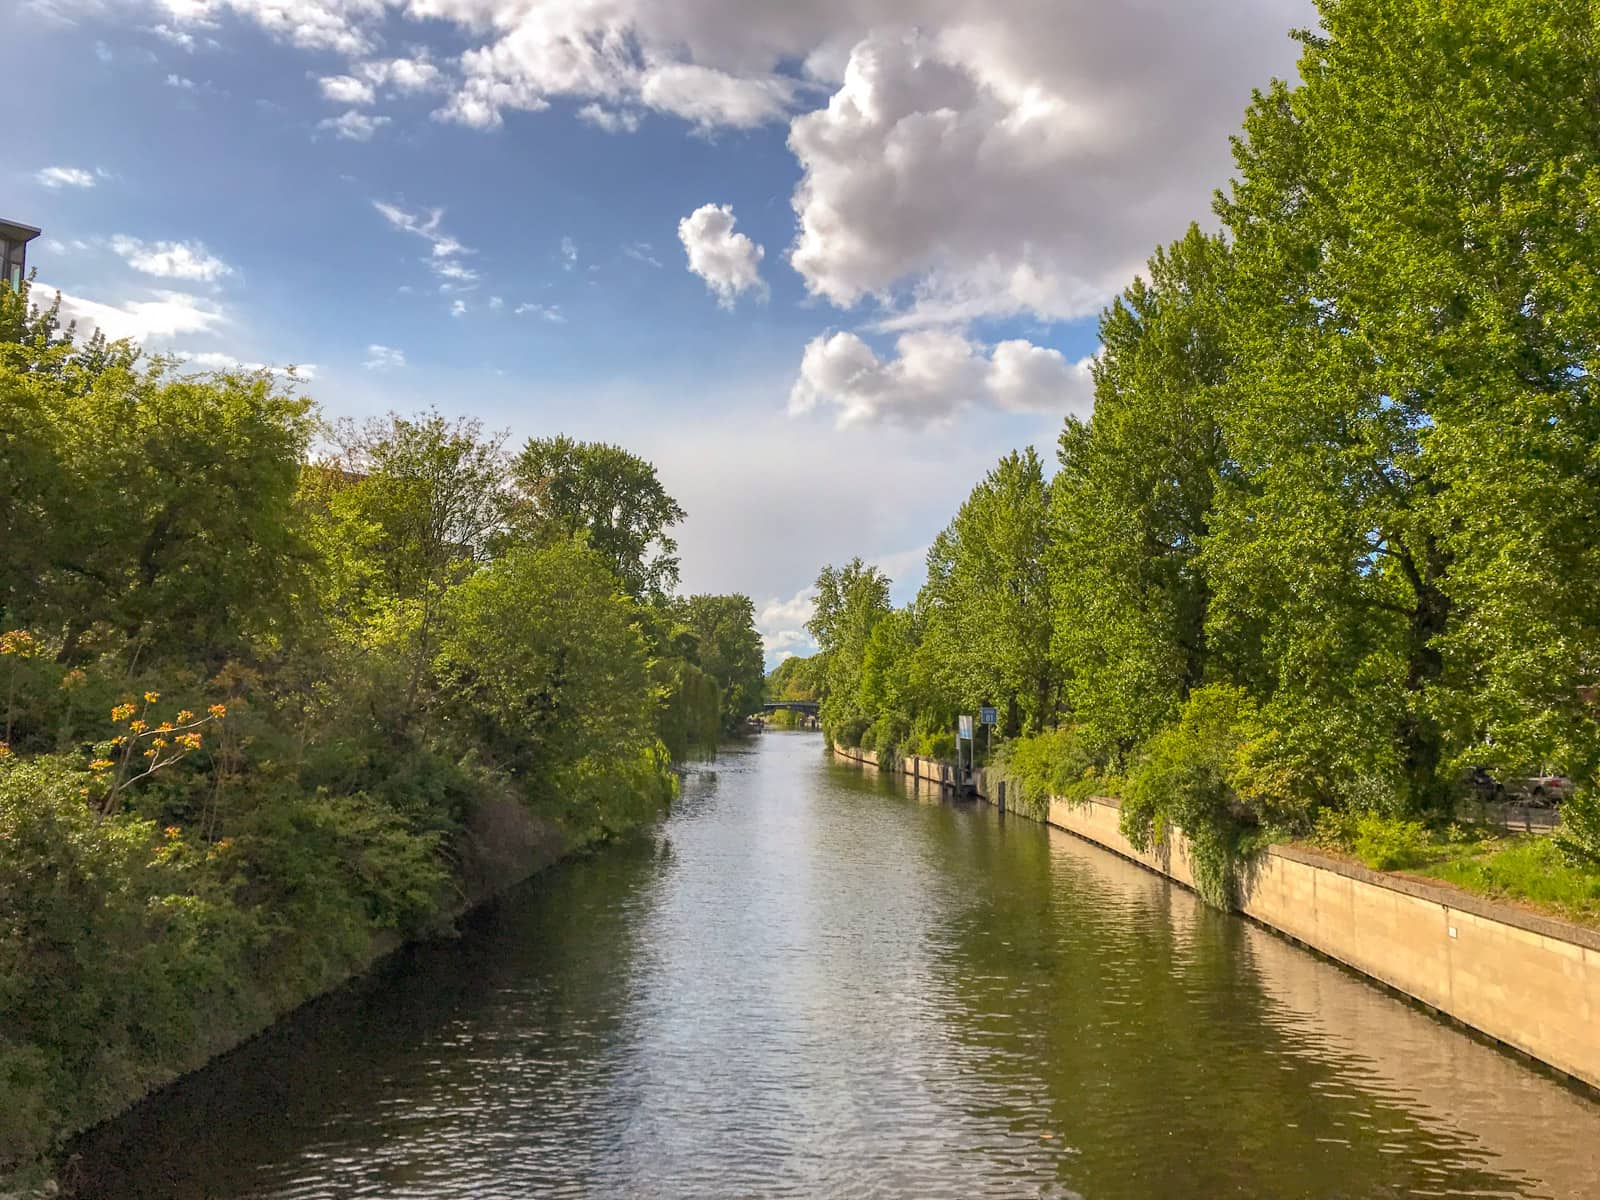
1327	541
278	695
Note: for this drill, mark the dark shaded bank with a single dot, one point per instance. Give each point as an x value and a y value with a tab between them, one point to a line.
298	1062
503	846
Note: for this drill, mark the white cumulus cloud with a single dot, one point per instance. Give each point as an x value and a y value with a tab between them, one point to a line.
729	262
960	160
211	360
162	315
384	358
612	120
545	312
353	125
933	375
782	625
405	76
347	89
170	260
60	177
710	98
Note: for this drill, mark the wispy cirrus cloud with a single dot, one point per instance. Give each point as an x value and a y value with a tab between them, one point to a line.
445	251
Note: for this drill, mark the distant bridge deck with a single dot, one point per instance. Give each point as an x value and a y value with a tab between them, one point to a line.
809	707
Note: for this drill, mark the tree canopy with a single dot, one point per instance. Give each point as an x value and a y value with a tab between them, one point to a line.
1327	540
564	488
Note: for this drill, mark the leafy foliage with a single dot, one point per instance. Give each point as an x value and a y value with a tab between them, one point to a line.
1327	539
264	714
565	489
729	651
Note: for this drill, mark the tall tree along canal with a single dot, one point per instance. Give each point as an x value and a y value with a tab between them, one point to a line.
812	981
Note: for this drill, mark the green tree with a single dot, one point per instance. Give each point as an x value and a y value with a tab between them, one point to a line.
416	506
987	604
1414	418
729	650
541	662
167	521
565	488
796	678
1131	503
850	601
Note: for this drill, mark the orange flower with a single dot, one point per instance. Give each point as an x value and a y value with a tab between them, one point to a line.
185	717
5	750
151	697
18	641
191	740
101	764
137	726
122	712
159	743
165	727
172	832
73	678
218	711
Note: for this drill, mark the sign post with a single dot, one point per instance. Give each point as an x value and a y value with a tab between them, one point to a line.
963	734
988	717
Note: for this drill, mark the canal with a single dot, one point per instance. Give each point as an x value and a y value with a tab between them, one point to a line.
813	981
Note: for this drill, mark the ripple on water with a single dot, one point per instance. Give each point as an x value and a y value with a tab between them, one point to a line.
809	983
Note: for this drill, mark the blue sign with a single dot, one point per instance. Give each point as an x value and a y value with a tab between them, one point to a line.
988	716
965	729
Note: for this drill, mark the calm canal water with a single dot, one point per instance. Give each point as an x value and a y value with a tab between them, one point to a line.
811	981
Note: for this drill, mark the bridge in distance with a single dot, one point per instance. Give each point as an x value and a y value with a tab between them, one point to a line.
808	707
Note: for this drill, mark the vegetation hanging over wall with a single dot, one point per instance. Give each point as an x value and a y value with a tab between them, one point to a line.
1328	540
277	695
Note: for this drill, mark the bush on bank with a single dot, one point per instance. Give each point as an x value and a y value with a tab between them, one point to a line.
265	713
1326	542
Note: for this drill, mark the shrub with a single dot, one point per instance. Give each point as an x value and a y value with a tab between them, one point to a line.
1058	764
1578	838
115	956
1390	843
848	733
890	735
1186	777
938	744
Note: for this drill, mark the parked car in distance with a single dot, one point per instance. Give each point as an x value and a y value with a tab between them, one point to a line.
1479	783
1541	789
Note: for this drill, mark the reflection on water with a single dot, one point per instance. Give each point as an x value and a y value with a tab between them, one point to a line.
812	982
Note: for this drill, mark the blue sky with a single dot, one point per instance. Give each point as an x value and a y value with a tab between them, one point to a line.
822	262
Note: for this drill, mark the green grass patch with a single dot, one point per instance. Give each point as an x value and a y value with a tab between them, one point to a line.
1527	869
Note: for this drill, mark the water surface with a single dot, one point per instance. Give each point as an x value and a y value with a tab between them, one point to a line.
812	981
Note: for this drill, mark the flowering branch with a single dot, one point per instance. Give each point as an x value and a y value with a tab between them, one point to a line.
142	749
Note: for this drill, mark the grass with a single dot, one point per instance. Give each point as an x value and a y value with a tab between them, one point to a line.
1528	870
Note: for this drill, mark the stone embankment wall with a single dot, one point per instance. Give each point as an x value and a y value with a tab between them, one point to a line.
1528	981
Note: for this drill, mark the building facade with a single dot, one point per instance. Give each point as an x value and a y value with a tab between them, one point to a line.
14	239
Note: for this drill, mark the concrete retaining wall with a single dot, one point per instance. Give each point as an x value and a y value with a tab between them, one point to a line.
1528	981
